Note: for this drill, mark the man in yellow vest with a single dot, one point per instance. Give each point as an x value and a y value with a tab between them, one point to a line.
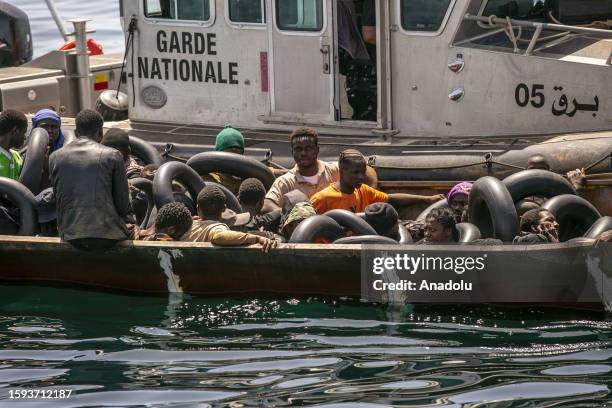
13	125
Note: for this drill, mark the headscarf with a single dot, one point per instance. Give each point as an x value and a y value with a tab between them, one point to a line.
49	114
461	188
228	138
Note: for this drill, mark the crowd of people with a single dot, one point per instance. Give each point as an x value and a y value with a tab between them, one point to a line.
87	198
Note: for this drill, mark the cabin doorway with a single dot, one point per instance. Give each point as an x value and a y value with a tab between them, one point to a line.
356	26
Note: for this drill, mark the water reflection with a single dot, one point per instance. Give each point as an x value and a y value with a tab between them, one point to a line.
187	351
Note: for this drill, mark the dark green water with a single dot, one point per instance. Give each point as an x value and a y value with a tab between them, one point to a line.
116	350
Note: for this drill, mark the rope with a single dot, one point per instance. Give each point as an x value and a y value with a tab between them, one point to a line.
510	33
590	166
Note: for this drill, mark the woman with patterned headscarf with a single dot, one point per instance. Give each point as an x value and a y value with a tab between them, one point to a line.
457	198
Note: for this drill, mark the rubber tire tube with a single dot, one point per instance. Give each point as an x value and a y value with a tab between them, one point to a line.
145	151
537	182
231	163
351	221
367	239
438	204
316	226
491	209
467	232
32	170
23	198
162	185
599	227
574	214
146	186
404	234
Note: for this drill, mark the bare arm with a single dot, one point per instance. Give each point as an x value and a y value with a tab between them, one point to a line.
369	34
401	199
269	206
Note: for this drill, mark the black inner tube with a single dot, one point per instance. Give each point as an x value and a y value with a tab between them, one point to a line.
146	186
536	182
367	239
468	232
317	226
404	235
599	227
32	171
351	221
23	198
145	151
235	164
438	204
492	210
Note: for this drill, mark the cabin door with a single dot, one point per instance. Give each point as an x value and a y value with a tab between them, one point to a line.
302	61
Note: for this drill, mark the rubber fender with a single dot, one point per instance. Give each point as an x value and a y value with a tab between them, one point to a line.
314	227
162	185
438	204
468	232
69	136
351	221
145	151
599	227
404	234
235	164
23	198
574	214
491	209
367	239
32	171
146	186
537	183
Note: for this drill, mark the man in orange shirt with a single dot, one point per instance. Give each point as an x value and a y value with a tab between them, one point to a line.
350	193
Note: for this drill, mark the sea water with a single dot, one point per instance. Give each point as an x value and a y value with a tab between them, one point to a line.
121	350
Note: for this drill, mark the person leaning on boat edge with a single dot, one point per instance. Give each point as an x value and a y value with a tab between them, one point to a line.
537	226
13	126
351	193
91	188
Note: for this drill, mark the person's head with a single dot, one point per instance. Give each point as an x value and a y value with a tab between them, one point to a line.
13	125
305	147
440	226
89	123
539	220
211	203
251	195
50	121
118	139
149	171
352	166
529	203
457	198
298	213
537	161
173	219
229	140
383	218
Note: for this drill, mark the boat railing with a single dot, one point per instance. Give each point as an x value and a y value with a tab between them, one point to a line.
508	25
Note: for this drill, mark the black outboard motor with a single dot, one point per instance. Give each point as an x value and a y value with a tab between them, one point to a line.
15	36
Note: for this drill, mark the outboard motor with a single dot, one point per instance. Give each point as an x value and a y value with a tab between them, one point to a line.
15	36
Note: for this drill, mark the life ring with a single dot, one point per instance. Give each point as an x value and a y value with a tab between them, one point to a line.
438	204
162	185
599	227
145	151
94	47
231	163
536	182
574	214
367	239
491	209
404	235
316	227
23	198
32	171
146	186
468	232
351	221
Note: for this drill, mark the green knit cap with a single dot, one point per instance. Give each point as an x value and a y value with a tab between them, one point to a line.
229	137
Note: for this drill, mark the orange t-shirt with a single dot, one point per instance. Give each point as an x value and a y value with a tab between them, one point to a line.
331	198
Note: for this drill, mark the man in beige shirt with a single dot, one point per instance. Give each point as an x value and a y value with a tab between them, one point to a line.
309	175
209	228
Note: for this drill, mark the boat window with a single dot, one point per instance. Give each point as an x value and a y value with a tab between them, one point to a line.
299	15
192	10
423	15
519	9
246	11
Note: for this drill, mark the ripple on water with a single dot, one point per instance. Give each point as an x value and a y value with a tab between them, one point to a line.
579	369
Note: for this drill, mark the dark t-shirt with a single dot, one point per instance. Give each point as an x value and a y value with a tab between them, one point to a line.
368	13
